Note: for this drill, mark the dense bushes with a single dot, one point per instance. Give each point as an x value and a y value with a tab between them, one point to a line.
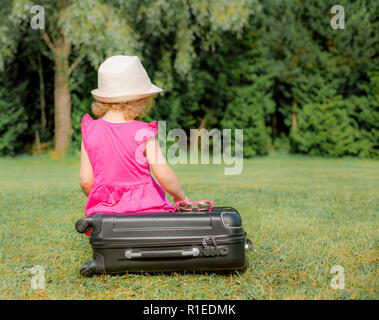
287	79
13	120
325	129
337	127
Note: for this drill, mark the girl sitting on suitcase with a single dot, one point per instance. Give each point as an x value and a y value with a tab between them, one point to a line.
117	150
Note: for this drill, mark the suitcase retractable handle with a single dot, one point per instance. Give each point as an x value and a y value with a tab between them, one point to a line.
130	254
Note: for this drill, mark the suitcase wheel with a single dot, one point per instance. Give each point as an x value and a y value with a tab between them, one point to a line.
248	245
88	269
82	226
245	267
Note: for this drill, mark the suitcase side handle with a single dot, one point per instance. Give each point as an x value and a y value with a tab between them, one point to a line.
131	254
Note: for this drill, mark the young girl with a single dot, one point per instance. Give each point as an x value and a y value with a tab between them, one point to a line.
118	151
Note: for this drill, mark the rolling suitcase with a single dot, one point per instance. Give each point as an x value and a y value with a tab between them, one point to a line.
161	242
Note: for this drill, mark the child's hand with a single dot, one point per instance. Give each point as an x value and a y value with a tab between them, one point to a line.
185	198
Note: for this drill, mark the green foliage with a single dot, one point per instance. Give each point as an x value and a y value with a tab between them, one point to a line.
249	105
13	120
268	67
364	111
9	32
325	129
330	125
174	32
248	112
94	28
316	69
97	30
83	81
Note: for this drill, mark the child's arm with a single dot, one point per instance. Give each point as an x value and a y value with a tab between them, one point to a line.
86	175
162	171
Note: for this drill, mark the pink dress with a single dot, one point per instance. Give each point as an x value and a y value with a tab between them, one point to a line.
122	179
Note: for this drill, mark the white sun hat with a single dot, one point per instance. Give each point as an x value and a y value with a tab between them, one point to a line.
121	79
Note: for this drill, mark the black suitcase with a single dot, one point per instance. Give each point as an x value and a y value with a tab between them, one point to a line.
172	241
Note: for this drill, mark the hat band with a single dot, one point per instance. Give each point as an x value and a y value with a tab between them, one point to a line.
120	92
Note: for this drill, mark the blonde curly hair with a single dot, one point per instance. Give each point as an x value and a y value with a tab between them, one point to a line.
130	109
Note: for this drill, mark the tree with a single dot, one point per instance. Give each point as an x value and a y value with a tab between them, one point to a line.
275	68
96	29
319	73
73	30
180	44
250	104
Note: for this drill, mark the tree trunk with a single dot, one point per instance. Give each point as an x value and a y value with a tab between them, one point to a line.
62	99
42	93
294	117
274	124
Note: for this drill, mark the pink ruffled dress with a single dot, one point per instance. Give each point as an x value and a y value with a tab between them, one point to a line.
122	179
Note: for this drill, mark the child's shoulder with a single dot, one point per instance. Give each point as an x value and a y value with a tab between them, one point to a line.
86	119
143	124
86	122
145	130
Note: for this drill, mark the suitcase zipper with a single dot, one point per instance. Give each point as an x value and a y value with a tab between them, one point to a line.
201	241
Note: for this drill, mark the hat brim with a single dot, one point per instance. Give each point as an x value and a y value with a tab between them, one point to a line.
102	97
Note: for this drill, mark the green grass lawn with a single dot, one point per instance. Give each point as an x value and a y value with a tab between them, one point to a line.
303	215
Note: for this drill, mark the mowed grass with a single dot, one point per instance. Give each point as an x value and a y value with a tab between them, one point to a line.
303	216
